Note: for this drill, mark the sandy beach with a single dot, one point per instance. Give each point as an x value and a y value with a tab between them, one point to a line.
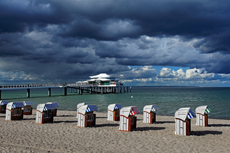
63	135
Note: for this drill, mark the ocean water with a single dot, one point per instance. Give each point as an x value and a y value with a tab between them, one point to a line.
167	99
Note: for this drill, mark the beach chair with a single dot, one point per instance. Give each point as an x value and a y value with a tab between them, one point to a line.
114	112
14	111
44	113
127	118
27	109
86	117
3	106
183	118
202	115
149	115
54	111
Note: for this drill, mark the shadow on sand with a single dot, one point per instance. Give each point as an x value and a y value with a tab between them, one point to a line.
202	133
148	128
102	125
163	122
219	125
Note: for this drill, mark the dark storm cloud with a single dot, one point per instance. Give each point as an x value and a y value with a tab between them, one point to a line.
74	39
106	20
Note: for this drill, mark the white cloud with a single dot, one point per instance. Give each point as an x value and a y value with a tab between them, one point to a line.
190	74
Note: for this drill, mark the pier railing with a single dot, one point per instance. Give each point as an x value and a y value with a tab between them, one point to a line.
33	85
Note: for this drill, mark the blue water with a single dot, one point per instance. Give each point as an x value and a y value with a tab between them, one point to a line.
167	99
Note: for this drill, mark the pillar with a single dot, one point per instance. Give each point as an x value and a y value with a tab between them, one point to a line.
127	89
65	91
28	93
49	91
0	94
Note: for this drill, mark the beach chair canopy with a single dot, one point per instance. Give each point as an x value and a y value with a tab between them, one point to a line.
81	104
26	103
114	106
131	110
184	113
87	108
53	103
150	108
203	109
4	102
13	105
45	107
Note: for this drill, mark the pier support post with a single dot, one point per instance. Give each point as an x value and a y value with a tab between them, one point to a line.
49	91
127	89
28	93
130	89
90	89
0	94
65	91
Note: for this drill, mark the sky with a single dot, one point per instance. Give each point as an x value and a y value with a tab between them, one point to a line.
141	42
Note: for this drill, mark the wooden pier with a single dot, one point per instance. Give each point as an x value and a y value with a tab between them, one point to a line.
79	88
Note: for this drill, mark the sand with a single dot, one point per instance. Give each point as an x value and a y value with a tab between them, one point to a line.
63	135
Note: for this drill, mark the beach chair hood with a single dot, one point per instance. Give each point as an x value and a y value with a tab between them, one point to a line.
184	113
87	108
112	107
13	105
26	103
202	110
45	107
131	110
53	103
81	104
4	102
149	108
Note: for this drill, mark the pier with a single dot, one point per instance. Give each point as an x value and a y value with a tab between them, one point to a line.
79	88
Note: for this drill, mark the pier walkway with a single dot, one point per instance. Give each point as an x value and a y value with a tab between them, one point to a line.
79	88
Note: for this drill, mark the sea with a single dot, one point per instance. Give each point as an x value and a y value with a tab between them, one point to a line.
167	99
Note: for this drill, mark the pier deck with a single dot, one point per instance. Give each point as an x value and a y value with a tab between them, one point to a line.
80	88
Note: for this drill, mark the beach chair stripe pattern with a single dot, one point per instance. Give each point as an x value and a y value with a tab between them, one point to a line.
190	115
17	104
207	110
13	106
118	107
45	109
88	109
134	111
91	108
4	102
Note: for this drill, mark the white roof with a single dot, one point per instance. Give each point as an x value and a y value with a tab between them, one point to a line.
149	108
87	108
92	80
201	109
53	103
101	75
114	106
26	103
45	107
13	105
131	110
184	113
81	104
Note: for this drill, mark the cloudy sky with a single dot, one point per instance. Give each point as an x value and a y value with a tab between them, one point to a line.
142	42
